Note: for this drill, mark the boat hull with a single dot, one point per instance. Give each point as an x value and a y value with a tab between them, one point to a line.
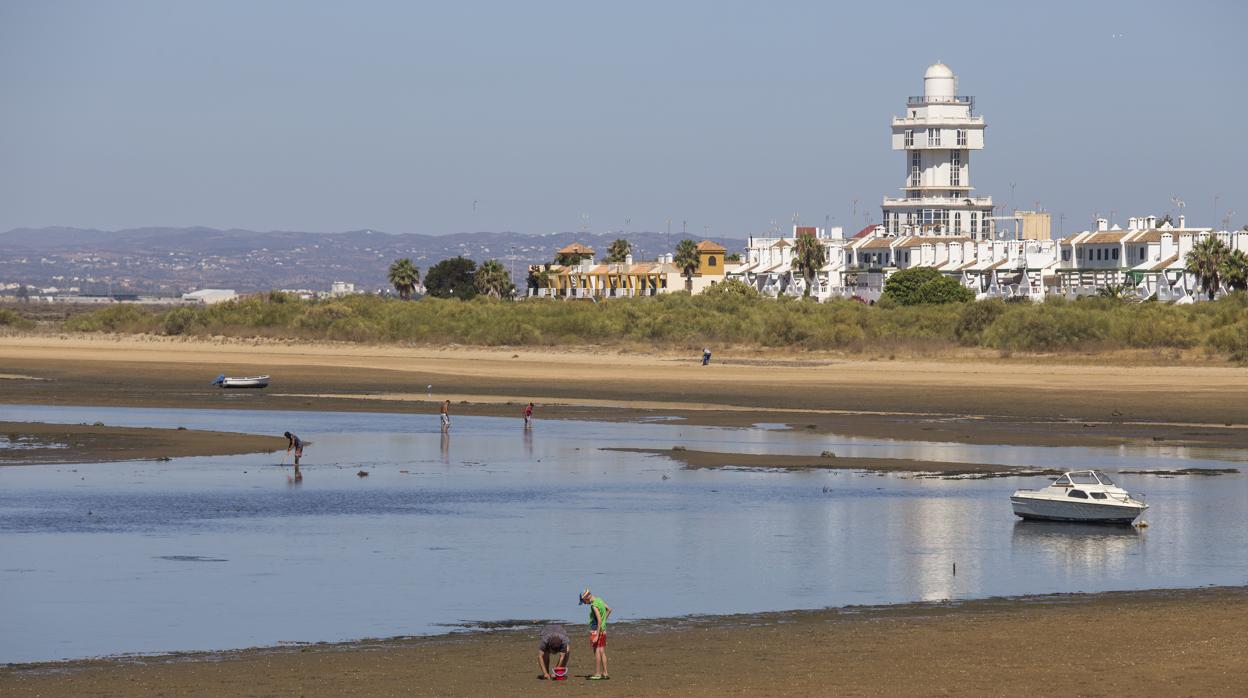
1037	509
238	383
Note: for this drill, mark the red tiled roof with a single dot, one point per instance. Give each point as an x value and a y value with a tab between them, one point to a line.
708	246
576	248
865	231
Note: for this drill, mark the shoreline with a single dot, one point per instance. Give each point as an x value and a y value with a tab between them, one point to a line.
43	443
1004	403
1186	638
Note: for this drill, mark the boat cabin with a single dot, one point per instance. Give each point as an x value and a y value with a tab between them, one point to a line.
1084	484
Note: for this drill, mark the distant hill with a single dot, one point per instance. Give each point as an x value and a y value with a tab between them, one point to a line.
177	259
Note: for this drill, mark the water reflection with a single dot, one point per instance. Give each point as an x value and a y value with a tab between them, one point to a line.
1075	547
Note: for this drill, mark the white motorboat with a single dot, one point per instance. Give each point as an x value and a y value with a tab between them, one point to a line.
241	381
1087	496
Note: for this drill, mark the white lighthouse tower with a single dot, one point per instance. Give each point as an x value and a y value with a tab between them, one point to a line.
938	133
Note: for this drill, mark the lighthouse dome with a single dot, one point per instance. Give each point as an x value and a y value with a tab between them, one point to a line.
939	82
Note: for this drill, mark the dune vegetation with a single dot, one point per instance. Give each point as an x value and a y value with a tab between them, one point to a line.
679	320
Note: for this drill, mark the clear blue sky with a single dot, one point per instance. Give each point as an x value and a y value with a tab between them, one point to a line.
396	116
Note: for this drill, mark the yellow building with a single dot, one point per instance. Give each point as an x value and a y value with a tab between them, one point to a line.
711	258
588	279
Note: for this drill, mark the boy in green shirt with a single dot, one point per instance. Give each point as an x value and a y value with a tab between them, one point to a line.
599	612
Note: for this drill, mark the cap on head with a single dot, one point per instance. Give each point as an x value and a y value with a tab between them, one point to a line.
585	596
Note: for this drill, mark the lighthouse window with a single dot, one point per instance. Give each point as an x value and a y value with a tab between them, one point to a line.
909	138
961	136
915	161
933	136
974	221
957	221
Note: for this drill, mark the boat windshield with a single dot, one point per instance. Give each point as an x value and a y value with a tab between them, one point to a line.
1103	478
1083	478
1062	481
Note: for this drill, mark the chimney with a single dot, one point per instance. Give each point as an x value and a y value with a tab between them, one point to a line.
1182	221
1133	223
1152	222
1102	224
628	259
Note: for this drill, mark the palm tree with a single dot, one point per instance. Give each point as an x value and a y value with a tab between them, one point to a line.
686	258
1205	262
404	276
492	279
618	251
809	256
1235	270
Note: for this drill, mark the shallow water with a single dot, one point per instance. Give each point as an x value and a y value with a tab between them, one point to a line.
498	522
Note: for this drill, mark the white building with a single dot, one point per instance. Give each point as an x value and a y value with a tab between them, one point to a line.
937	135
338	289
209	296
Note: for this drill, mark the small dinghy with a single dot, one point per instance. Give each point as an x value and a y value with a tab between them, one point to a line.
1086	496
224	381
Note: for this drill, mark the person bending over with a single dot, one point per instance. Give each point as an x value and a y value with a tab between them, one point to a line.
554	640
296	443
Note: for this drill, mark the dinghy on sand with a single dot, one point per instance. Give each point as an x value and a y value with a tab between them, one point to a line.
224	381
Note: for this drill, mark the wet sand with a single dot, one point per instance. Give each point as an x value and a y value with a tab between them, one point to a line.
81	443
715	459
982	400
1114	644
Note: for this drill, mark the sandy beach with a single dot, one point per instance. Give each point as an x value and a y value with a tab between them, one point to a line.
84	443
1015	401
1153	643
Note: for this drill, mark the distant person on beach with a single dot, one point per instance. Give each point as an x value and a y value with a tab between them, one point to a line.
599	612
554	640
528	414
446	415
706	356
296	443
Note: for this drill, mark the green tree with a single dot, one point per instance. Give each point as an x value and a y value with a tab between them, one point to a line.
618	251
809	256
924	285
1205	261
686	259
1235	270
452	278
403	277
492	279
1164	220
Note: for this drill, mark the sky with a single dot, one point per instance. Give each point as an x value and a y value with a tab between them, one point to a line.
723	117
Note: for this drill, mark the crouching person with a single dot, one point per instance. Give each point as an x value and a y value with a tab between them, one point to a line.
554	640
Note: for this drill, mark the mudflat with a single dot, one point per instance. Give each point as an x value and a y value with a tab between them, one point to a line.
1151	643
1039	401
32	443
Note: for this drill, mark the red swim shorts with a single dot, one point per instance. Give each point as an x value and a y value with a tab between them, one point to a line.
597	639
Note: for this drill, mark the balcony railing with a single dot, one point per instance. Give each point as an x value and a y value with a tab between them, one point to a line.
923	99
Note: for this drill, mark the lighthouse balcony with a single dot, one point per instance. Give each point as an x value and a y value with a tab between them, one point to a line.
959	201
924	100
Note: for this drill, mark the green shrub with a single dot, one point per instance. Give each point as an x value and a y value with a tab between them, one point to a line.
731	287
730	316
974	318
122	317
9	318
